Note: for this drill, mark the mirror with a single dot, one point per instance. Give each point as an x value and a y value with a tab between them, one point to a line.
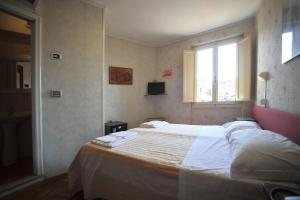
290	30
15	75
23	75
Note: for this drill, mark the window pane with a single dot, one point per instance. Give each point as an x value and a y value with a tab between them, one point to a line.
227	65
204	75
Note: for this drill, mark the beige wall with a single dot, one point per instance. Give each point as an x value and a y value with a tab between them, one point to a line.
74	29
127	102
171	106
283	89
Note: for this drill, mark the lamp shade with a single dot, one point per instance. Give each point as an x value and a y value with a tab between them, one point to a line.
264	76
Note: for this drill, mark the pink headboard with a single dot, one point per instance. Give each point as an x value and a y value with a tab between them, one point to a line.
277	121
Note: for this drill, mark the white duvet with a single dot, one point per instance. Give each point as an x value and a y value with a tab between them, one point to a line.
205	174
203	171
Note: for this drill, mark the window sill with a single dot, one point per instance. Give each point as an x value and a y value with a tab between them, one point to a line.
218	105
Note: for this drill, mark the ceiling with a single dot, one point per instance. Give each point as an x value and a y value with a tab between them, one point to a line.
161	22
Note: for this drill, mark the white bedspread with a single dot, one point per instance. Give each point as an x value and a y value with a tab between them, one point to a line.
205	174
186	162
185	129
209	154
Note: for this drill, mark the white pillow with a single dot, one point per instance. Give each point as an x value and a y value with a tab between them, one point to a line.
231	127
153	124
227	124
264	155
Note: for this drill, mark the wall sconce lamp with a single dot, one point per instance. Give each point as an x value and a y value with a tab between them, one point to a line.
264	76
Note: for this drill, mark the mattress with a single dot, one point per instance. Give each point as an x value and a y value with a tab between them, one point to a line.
176	161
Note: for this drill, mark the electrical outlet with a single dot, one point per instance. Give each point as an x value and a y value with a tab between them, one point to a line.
264	102
56	93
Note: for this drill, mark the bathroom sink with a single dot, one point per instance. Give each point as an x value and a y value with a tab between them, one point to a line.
9	146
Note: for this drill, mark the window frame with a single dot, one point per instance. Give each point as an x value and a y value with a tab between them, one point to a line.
214	46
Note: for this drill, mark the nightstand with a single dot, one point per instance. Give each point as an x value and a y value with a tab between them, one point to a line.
115	126
280	192
245	119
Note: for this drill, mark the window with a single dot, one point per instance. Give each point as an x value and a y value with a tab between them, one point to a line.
204	75
218	72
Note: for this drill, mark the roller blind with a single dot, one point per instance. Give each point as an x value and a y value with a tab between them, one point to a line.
189	76
244	70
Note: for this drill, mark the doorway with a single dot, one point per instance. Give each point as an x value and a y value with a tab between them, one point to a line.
20	117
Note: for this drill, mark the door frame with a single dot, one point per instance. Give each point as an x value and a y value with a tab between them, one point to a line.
27	12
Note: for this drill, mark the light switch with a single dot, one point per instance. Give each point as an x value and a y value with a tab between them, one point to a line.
56	56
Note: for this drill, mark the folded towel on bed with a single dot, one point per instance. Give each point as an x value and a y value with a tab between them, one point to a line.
153	124
124	134
106	139
115	139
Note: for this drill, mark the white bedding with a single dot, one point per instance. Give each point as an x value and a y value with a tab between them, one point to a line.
264	155
203	173
209	154
192	130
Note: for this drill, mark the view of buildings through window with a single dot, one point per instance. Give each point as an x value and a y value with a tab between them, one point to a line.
217	73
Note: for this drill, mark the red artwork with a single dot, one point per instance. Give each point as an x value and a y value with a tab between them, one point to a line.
120	75
167	72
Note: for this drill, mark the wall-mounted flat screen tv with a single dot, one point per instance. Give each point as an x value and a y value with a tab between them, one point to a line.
156	88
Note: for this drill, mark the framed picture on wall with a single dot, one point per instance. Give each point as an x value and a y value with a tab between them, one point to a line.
120	75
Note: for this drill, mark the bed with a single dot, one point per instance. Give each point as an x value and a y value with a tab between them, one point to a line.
176	161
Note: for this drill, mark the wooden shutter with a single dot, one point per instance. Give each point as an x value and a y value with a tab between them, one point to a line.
244	70
189	76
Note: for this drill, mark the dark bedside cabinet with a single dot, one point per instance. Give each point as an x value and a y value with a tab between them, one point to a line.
280	192
116	126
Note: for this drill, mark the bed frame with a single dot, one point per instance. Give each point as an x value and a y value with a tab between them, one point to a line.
285	123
